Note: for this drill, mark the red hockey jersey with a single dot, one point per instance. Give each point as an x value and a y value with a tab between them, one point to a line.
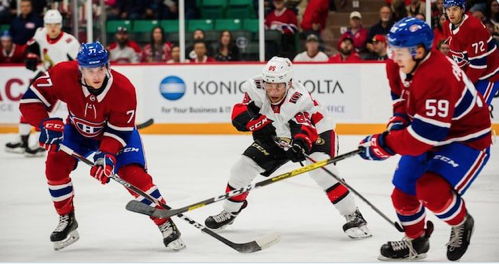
109	116
473	49
442	108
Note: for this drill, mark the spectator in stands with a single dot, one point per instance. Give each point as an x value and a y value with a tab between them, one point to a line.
358	33
168	9
315	17
9	51
175	55
494	31
399	10
476	5
227	50
420	17
381	28
416	7
132	9
443	47
346	51
158	50
124	50
406	2
285	21
438	31
200	50
7	11
23	26
380	53
492	12
312	52
479	15
437	9
197	35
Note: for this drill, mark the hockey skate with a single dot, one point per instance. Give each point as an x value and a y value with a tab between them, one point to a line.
18	145
33	152
221	220
171	236
407	249
356	226
460	237
65	233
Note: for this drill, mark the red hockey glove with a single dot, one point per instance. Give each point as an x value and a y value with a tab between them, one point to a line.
103	166
375	148
51	134
262	128
397	122
297	151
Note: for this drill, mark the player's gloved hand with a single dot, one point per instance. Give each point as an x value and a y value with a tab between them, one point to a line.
297	151
31	61
375	148
397	122
51	134
103	166
262	128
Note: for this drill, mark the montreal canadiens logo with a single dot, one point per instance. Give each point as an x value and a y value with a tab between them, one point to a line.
460	58
172	88
414	28
86	128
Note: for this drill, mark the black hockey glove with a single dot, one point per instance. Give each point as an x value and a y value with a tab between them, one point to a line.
262	128
297	151
31	61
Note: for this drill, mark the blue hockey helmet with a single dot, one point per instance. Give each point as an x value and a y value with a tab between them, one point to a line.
409	33
450	3
92	55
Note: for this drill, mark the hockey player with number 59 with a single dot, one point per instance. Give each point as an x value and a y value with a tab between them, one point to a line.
102	105
441	128
276	106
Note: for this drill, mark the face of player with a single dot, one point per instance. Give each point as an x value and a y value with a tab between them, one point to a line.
403	58
53	30
94	76
455	14
275	91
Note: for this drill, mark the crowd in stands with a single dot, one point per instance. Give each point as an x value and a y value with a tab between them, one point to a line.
299	22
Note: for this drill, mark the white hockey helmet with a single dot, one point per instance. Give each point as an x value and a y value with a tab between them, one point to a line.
278	70
52	16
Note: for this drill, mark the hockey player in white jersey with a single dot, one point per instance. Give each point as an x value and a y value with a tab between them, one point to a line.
277	106
49	46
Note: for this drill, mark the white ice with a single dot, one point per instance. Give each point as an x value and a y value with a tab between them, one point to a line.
188	169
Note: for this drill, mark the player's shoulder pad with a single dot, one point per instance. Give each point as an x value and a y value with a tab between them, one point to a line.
123	84
298	100
254	88
40	34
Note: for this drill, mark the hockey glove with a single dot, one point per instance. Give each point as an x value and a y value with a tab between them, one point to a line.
51	134
103	166
375	148
397	122
31	61
262	129
297	151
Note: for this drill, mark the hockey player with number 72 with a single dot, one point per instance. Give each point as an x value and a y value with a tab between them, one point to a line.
101	104
441	128
275	105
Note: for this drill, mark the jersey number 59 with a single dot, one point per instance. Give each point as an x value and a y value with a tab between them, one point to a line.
437	107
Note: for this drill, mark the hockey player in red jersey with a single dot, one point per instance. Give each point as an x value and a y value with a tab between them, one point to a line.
472	48
50	45
275	105
441	128
102	107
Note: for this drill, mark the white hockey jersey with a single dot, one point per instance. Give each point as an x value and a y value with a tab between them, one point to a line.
63	48
298	106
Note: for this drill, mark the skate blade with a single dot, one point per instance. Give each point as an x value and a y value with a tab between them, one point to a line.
176	245
36	155
415	258
72	237
358	232
16	150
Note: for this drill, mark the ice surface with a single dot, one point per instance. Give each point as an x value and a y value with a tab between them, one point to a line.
188	169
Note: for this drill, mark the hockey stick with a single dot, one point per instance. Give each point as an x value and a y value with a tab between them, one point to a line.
138	207
248	247
285	145
147	123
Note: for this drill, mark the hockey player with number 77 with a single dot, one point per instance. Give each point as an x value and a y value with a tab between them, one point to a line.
442	129
101	104
275	105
